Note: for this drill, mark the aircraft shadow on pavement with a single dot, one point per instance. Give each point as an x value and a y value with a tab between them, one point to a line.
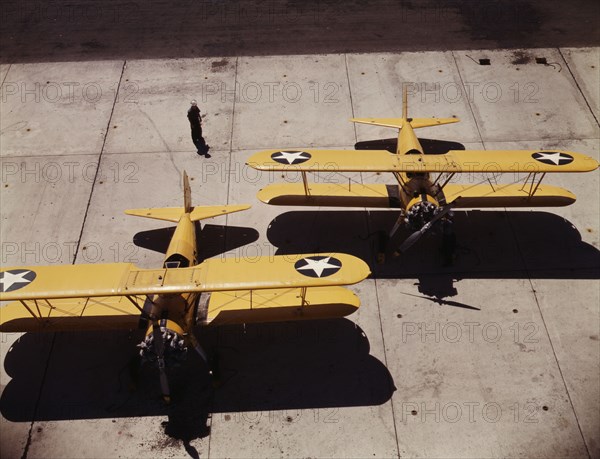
211	240
490	244
430	146
282	366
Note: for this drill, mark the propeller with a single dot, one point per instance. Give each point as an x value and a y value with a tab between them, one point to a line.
414	237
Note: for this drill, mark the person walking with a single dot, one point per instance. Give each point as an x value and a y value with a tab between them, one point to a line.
195	120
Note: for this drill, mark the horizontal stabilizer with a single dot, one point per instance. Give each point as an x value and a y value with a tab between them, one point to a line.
173	214
398	122
278	305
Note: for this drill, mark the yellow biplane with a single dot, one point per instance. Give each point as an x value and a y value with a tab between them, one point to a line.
170	301
422	191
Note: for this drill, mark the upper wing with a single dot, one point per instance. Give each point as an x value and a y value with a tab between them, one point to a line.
282	271
501	161
453	161
324	160
125	279
65	281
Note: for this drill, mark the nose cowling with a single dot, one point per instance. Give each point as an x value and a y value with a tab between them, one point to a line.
175	348
421	210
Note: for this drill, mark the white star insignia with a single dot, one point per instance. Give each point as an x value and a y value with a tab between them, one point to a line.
555	157
10	278
320	265
291	157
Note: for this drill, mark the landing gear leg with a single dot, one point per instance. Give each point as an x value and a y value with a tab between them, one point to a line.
382	243
448	241
399	222
211	363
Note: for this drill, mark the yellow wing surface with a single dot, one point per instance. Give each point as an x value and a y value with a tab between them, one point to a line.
278	305
121	279
453	161
92	313
112	295
387	196
324	160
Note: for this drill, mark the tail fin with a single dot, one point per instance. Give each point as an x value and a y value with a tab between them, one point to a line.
404	102
187	194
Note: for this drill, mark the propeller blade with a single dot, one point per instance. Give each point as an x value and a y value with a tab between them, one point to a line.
411	240
159	347
414	237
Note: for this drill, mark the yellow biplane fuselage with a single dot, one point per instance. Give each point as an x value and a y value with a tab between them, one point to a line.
419	196
181	253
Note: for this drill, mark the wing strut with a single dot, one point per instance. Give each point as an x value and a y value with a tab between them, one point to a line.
303	296
30	311
452	174
401	182
134	303
305	181
534	186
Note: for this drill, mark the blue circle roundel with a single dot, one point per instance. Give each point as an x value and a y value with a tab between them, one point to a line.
319	266
290	157
14	279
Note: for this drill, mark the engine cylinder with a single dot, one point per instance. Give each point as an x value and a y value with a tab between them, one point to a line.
174	344
420	211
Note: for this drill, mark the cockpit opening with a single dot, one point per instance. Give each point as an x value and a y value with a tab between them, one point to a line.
177	261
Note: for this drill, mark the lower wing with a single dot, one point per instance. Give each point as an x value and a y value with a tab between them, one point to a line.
331	194
512	195
278	305
388	196
93	313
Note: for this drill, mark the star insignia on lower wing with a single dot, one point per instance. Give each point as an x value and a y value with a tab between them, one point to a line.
290	157
552	157
318	266
15	279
